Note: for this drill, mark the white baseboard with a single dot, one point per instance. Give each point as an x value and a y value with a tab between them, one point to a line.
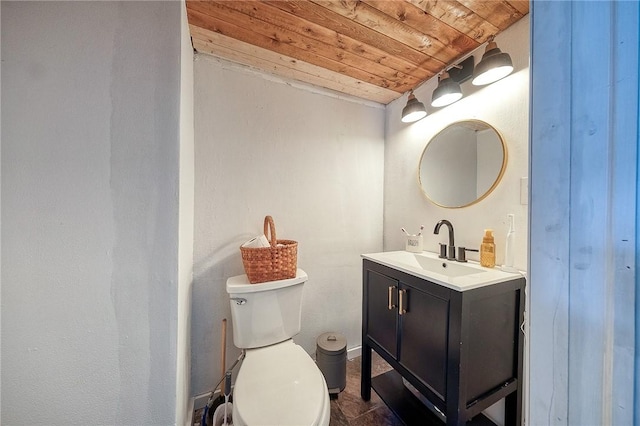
354	352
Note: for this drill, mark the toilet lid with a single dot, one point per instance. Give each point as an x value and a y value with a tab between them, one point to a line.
279	385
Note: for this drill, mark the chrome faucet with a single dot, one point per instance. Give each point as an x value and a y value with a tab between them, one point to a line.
443	248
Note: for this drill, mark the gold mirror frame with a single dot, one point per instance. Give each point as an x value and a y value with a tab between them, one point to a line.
480	125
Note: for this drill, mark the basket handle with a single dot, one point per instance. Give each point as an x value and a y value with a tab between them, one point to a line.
270	226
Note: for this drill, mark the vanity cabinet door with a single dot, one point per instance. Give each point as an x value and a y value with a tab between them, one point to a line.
381	315
423	343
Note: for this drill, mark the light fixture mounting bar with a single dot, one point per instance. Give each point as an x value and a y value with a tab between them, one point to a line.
463	71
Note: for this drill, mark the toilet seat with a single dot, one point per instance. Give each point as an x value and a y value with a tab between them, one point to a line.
280	385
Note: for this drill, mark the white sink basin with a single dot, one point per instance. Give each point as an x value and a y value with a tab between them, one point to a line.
449	273
443	267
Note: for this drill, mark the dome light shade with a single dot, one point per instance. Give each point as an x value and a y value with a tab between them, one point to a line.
494	65
414	110
447	92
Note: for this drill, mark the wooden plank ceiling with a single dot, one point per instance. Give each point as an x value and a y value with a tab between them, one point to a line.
372	49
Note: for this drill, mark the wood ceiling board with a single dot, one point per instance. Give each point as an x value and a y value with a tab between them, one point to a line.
328	44
342	25
500	13
221	46
416	18
377	21
291	19
215	17
375	49
458	16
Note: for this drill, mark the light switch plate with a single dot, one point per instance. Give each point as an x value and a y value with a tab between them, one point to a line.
524	191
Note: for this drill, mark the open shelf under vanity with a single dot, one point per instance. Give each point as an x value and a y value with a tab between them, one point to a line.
404	404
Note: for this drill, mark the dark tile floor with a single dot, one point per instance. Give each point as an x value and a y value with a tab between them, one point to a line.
348	409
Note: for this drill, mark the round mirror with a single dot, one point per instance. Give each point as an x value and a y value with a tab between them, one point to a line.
462	164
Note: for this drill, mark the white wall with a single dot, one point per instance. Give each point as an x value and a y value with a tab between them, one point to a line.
311	160
90	107
185	226
504	105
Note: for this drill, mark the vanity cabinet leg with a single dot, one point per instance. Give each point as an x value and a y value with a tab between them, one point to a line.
365	377
513	409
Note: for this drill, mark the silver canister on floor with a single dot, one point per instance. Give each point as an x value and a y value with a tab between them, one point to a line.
331	357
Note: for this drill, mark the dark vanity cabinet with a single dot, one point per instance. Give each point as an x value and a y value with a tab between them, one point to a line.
462	350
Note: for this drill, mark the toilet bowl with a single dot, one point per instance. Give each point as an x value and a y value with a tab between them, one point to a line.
277	384
280	385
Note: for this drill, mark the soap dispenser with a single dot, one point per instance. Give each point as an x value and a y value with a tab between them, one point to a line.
488	250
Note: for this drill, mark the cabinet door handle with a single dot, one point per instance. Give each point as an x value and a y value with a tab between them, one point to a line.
391	304
401	308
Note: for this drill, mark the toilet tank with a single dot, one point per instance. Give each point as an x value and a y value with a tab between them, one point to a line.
266	313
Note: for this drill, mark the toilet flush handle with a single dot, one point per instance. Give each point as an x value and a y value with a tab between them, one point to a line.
239	300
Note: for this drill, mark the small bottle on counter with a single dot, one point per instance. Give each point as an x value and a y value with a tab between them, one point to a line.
509	246
488	250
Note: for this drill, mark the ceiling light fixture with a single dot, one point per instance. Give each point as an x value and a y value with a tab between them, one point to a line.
494	65
414	110
447	92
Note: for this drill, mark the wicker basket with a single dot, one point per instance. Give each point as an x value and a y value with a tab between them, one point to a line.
277	262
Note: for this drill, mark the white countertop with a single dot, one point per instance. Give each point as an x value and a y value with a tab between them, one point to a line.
448	273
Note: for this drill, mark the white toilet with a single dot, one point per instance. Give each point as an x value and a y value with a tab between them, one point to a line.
278	383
